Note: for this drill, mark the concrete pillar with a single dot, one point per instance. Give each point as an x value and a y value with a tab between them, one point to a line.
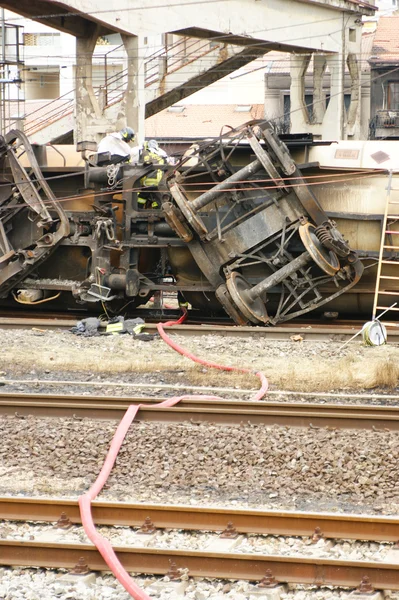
365	106
87	107
299	113
354	113
335	118
334	122
319	106
132	107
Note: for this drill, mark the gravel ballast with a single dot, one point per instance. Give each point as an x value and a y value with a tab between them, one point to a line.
40	584
309	469
303	468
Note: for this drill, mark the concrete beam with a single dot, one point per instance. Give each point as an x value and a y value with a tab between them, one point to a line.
47	13
240	40
288	23
369	8
179	91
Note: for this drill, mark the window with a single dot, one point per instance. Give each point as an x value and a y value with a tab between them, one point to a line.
309	106
393	95
287	107
352	35
41	39
347	101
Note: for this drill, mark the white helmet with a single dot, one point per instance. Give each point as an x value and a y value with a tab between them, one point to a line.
153	145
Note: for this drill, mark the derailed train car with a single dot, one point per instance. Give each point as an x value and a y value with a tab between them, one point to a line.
239	230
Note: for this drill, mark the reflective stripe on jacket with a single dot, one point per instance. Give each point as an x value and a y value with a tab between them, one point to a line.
153	178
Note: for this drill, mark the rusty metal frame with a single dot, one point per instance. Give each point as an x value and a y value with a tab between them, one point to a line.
219	240
234	194
31	185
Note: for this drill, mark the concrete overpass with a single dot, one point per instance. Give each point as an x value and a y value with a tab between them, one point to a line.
330	28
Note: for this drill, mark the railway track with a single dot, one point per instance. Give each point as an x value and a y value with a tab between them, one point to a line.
311	331
267	522
224	412
221	562
289	569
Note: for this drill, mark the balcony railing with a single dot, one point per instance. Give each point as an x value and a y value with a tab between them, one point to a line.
384	124
387	118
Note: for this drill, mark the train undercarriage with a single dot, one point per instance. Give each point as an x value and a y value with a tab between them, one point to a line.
238	230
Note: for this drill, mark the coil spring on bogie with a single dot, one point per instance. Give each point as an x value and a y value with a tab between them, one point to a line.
323	234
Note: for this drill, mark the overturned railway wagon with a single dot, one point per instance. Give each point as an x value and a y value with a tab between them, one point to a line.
247	226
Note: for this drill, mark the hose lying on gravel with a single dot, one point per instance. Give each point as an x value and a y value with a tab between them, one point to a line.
102	544
207	363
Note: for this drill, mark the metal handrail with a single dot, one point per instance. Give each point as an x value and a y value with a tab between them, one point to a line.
171	58
49	103
50	117
68	100
153	73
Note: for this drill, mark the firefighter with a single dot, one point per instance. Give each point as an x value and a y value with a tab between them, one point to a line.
117	145
151	154
183	304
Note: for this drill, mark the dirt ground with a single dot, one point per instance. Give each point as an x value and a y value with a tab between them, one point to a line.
288	365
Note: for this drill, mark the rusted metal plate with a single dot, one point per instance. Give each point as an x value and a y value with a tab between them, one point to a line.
332	525
238	566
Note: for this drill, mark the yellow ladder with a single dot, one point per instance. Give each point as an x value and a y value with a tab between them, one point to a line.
388	221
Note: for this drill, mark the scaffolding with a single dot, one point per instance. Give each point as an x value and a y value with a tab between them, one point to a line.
11	63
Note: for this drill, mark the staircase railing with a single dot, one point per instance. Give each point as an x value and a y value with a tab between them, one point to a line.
163	62
49	113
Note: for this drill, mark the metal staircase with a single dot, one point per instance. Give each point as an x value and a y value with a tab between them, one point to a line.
197	62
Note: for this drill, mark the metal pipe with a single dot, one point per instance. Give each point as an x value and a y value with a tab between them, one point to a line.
209	196
280	275
116	281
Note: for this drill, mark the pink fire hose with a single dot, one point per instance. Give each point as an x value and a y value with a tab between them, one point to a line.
103	545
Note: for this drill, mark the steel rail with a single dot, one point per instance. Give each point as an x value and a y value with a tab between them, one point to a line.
308	332
222	412
318	571
205	518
